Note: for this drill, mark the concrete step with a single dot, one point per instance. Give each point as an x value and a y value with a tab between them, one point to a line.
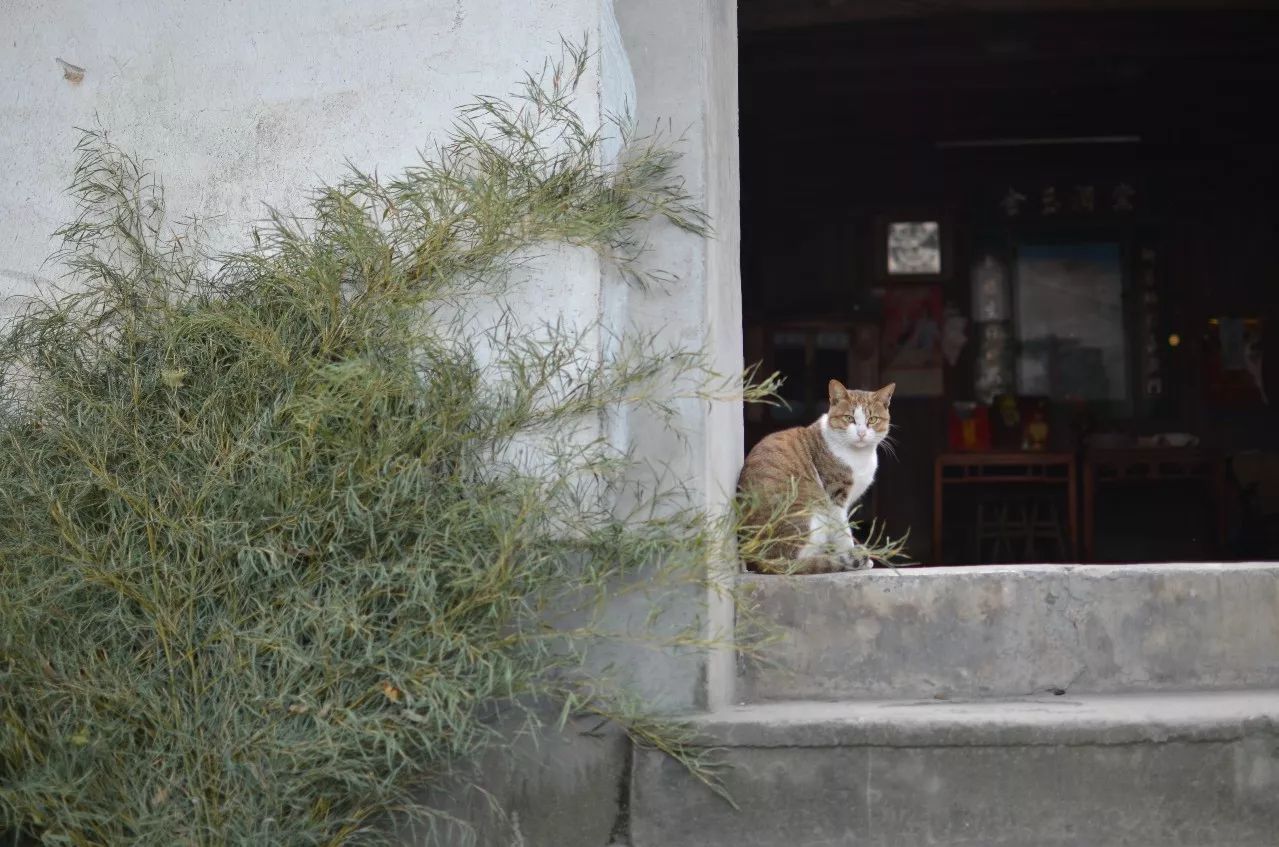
1153	770
1016	630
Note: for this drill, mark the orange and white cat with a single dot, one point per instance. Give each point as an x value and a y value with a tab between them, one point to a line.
799	486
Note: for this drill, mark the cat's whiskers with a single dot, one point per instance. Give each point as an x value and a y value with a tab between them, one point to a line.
812	476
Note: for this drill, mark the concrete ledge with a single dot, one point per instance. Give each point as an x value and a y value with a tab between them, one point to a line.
550	788
1098	719
1168	770
993	631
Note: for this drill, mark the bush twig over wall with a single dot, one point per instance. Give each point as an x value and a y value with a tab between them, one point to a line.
275	540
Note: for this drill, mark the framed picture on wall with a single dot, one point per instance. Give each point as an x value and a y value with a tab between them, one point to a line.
912	247
1071	323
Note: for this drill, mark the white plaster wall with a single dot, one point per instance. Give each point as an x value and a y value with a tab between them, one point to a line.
243	104
238	103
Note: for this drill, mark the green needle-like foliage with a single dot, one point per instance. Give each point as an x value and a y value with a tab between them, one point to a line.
282	531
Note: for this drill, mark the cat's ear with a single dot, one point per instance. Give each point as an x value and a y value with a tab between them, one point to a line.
885	394
836	391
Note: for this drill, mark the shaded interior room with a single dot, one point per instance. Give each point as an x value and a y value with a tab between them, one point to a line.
1057	232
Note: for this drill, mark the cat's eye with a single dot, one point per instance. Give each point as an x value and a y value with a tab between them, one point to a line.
873	419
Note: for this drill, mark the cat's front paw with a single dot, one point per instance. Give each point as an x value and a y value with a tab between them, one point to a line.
854	560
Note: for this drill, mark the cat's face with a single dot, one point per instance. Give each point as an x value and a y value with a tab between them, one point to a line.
859	419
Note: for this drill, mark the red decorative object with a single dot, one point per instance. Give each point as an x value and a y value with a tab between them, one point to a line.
1034	424
969	427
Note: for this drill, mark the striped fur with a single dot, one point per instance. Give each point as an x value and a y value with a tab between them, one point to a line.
798	487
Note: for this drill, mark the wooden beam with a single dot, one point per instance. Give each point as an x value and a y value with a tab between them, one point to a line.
763	15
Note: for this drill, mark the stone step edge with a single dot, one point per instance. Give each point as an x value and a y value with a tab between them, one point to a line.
1066	720
1025	570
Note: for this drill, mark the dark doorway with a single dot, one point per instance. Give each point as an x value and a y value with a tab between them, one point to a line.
1091	197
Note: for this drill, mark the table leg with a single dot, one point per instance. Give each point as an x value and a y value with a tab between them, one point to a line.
1090	508
1219	483
937	516
1072	509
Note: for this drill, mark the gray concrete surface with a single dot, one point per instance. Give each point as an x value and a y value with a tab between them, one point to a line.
1017	630
1042	720
684	58
559	789
1145	771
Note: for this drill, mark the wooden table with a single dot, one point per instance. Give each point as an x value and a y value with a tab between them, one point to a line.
1018	466
1151	464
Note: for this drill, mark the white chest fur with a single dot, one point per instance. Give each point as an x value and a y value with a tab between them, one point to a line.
862	463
